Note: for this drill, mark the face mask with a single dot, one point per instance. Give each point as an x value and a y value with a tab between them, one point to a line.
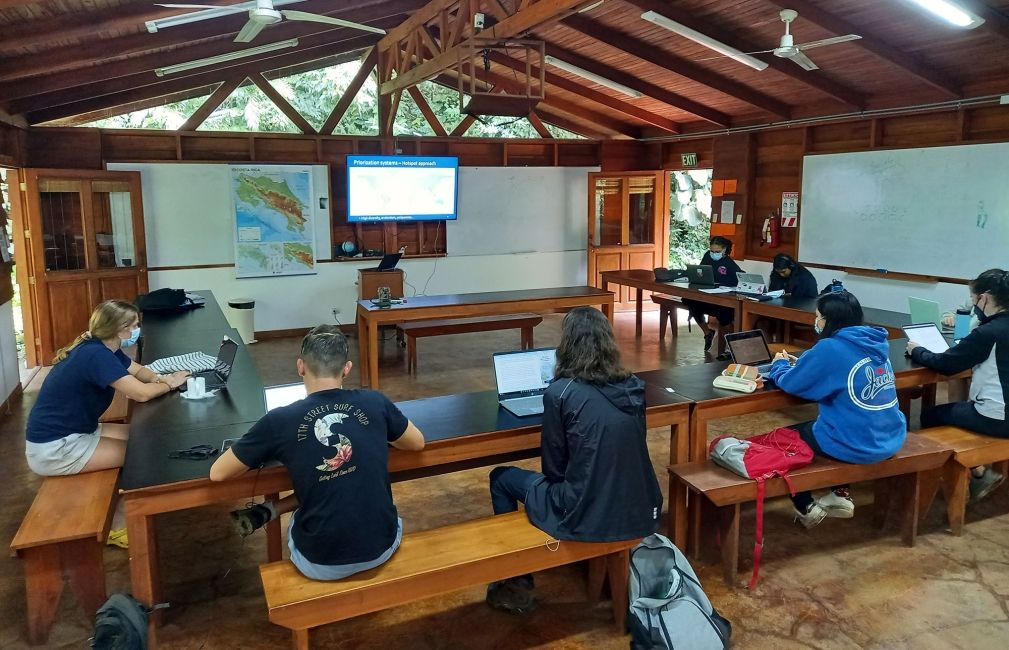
715	256
134	336
980	313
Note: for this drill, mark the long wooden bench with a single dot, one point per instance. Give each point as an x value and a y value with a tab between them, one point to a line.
61	541
727	491
969	450
439	561
418	329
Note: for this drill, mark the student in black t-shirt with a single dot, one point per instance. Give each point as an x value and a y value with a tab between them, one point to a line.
791	277
334	444
724	268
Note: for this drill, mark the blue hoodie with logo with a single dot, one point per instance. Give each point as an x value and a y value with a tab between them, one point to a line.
850	376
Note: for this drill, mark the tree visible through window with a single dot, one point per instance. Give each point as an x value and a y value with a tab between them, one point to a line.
689	216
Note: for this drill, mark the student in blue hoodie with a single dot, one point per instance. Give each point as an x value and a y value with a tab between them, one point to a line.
848	373
598	483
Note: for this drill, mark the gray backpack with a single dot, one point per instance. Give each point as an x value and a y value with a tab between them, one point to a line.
668	607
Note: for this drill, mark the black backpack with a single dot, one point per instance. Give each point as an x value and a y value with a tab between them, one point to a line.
166	300
121	624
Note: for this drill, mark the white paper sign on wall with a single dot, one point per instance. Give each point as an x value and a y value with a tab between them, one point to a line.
789	209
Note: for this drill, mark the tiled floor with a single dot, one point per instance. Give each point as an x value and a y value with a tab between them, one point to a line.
842	585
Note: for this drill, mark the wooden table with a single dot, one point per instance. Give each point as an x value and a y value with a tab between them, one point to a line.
643	280
803	311
370	317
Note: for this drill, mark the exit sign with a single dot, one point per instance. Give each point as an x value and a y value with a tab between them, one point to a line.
688	159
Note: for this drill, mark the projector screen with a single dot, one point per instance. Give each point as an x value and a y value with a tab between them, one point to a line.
402	188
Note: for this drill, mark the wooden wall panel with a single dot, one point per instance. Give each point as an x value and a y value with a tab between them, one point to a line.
66	148
123	146
12	145
578	154
920	130
703	147
291	149
530	154
988	123
200	148
845	136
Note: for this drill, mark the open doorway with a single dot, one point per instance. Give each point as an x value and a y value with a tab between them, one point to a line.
7	256
689	216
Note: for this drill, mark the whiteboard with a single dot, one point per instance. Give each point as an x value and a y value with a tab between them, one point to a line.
520	210
189	219
940	211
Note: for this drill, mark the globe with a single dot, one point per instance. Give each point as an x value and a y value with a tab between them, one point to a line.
348	247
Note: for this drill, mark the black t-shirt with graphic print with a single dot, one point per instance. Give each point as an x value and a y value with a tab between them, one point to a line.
334	445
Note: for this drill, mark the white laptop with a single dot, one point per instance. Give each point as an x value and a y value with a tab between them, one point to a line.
277	396
928	336
522	377
750	283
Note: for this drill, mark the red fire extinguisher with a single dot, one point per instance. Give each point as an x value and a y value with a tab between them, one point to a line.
771	233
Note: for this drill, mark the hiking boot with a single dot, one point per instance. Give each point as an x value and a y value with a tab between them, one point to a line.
251	519
513	596
812	517
118	537
838	504
981	486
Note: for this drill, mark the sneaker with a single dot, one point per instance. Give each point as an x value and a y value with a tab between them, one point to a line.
708	339
512	596
838	504
118	537
251	519
813	516
981	486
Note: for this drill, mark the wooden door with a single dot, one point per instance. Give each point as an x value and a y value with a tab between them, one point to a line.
84	243
628	225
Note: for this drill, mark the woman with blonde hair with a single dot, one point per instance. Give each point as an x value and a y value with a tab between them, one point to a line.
64	435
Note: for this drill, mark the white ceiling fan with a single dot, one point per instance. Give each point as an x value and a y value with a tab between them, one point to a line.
787	49
262	13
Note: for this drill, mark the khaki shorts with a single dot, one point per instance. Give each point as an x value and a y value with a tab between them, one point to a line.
68	455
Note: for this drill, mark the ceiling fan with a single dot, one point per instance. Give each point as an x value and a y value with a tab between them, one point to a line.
787	49
261	14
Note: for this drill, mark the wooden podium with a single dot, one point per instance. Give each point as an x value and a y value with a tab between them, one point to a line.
369	280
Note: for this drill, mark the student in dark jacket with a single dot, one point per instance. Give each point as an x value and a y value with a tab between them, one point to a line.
598	483
724	268
791	277
986	350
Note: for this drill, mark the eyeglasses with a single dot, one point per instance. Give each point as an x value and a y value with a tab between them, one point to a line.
196	452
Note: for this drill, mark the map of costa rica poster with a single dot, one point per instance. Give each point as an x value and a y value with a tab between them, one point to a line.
274	229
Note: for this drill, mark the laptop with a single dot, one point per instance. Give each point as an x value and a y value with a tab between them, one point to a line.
389	261
522	377
701	274
750	284
924	311
277	396
927	335
218	376
749	348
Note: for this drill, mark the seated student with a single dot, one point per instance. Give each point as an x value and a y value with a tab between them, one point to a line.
848	373
334	443
986	350
792	277
724	269
63	432
598	483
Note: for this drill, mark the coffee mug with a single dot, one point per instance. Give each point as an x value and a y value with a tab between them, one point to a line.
196	386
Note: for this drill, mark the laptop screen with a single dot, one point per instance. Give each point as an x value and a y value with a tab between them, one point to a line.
928	336
277	396
524	371
748	347
226	358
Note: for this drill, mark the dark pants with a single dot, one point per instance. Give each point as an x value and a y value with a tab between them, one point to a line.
964	415
698	310
508	488
802	500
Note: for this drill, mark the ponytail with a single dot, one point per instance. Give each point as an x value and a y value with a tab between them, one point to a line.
106	321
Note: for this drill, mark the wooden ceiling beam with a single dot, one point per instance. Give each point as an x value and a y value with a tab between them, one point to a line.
522	20
212	103
538	125
677	65
111	50
367	65
815	80
922	71
308	37
563	122
282	104
121	91
140	105
426	111
590	94
463	126
650	90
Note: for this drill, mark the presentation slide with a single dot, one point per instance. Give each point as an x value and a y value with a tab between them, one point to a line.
401	188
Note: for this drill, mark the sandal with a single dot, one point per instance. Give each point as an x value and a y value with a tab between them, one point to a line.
725	356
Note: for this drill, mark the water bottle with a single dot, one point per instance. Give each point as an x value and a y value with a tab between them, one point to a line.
961	324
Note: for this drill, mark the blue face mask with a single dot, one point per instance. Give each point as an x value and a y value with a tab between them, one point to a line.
715	256
134	336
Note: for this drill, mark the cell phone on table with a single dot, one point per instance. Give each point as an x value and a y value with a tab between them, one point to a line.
226	445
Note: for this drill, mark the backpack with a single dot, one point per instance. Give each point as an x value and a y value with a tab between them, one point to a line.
667	605
121	624
760	458
166	300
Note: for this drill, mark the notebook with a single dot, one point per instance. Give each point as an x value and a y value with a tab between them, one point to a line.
928	336
749	348
218	377
277	396
924	311
522	377
701	274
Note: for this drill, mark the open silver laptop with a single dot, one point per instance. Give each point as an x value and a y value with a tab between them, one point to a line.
749	348
522	377
277	396
750	284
